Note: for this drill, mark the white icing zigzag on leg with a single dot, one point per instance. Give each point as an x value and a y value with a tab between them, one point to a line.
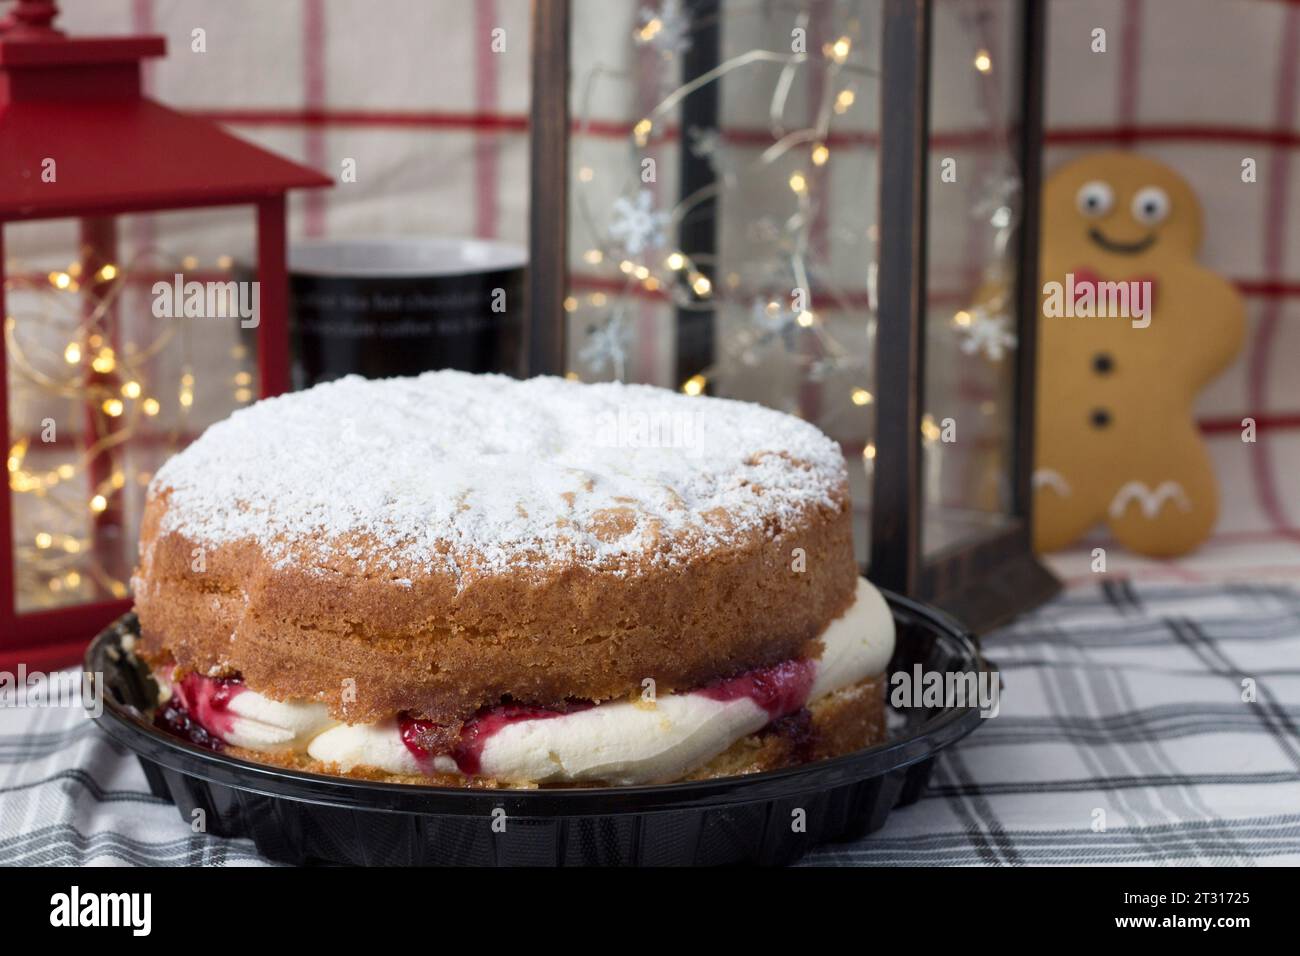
1150	500
1050	478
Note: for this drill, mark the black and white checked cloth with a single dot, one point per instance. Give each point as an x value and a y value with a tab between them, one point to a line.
1123	737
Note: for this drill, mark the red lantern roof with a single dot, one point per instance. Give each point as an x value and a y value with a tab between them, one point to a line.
78	138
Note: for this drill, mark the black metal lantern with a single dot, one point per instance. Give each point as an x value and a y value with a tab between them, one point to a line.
829	206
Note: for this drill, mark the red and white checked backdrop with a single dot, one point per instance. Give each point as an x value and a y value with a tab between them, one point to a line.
437	124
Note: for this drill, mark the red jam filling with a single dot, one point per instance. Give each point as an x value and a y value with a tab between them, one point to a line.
780	689
199	709
475	732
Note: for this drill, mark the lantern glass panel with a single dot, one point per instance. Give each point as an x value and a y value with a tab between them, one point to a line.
974	201
722	206
108	376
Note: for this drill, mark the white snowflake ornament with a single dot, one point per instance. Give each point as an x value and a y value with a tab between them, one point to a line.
706	143
987	334
667	29
606	346
636	224
770	317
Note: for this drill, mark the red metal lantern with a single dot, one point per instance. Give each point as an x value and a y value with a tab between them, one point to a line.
79	141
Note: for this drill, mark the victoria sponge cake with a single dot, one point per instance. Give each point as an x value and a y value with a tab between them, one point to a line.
474	580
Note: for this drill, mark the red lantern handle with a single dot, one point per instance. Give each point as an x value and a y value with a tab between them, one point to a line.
30	19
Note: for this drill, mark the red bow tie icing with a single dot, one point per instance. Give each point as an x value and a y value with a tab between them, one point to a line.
1085	278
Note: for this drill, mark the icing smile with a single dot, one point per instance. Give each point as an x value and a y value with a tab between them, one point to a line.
1124	248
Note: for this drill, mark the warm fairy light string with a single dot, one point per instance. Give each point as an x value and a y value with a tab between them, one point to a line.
986	325
682	277
104	387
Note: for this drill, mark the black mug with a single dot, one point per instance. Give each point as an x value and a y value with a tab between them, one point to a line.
382	307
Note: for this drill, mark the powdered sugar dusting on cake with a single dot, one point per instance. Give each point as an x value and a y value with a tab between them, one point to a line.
482	473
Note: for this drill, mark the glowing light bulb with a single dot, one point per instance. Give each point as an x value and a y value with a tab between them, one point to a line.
962	318
861	396
72	354
593	256
150	406
695	385
108	272
112	407
839	50
104	362
806	319
98	504
44	539
797	182
642	131
844	100
675	261
701	284
131	389
820	154
570	303
983	61
869	451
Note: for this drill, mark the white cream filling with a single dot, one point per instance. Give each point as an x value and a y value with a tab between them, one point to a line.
260	723
373	745
619	742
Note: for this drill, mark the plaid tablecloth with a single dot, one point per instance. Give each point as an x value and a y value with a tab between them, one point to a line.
1123	737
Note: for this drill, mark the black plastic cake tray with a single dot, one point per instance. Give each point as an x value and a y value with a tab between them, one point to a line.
765	818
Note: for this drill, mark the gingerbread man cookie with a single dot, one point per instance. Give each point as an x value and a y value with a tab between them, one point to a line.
1131	328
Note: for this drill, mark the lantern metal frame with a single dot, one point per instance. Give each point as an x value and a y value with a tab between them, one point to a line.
80	101
984	581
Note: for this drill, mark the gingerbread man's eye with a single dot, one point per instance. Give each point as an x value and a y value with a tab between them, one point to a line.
1150	205
1094	198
